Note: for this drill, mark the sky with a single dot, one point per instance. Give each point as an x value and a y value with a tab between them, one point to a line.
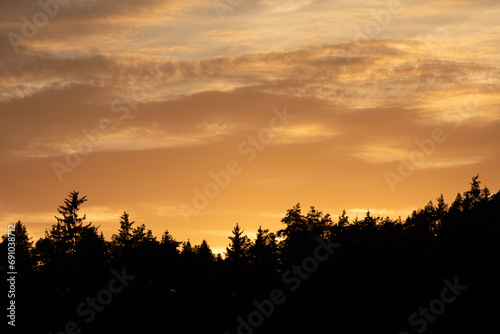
194	115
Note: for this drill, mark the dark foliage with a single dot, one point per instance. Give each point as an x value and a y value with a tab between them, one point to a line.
383	271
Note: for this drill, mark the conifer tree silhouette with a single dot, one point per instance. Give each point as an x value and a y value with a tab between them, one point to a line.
124	237
65	234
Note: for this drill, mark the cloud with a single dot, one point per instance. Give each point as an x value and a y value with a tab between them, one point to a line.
341	94
99	23
183	89
285	6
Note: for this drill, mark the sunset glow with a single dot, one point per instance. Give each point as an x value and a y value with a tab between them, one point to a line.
145	105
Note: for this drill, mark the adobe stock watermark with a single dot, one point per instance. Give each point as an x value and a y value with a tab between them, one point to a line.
406	168
221	179
94	137
372	29
293	278
29	29
427	146
104	297
436	307
223	6
11	260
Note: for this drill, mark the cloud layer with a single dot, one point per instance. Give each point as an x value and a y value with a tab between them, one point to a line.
182	92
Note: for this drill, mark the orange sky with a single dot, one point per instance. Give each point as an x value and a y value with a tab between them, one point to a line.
355	105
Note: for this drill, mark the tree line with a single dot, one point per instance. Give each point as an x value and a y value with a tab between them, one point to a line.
384	270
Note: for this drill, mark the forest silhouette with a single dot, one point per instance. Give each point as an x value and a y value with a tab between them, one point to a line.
381	271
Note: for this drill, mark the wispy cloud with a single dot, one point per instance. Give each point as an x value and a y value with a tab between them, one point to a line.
194	87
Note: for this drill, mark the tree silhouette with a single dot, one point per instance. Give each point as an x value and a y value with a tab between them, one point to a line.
187	249
169	244
141	237
68	229
343	220
204	252
383	272
123	240
264	252
24	252
237	253
237	258
301	231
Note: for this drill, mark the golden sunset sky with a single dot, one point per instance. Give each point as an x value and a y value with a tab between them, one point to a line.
354	105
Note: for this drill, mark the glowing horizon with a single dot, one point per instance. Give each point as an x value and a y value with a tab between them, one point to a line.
137	106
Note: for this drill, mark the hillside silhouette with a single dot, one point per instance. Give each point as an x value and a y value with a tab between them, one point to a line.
315	274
